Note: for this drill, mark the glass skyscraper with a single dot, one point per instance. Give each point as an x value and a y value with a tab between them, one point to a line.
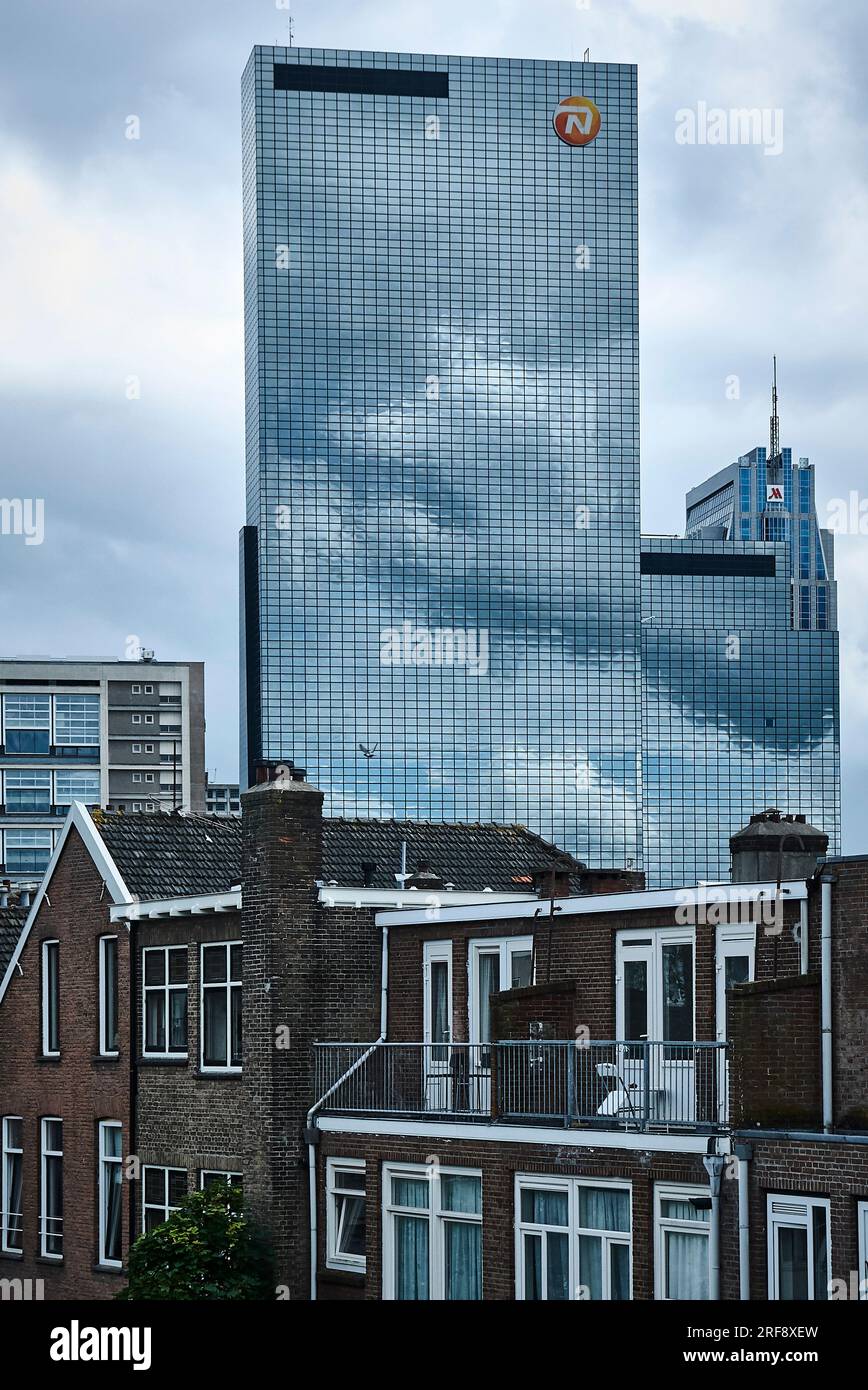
440	566
740	668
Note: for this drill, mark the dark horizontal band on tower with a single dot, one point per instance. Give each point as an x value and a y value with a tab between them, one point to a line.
392	82
662	562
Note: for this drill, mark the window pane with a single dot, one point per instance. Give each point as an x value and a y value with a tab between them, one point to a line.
54	1135
521	969
533	1267
111	1141
821	1254
349	1178
461	1194
214	964
604	1209
686	1265
178	966
792	1262
677	964
591	1265
411	1257
155	1186
440	1011
463	1241
113	1193
215	1028
489	983
236	1025
177	1186
410	1192
351	1225
619	1272
557	1267
235	963
680	1209
635	1000
155	1022
155	968
543	1208
110	1000
178	1020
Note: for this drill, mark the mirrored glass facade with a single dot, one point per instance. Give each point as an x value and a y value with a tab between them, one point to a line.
740	668
440	567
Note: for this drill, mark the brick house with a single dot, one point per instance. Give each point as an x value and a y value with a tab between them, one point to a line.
133	1066
495	1072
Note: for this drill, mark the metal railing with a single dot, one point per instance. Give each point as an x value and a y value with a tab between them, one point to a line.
622	1085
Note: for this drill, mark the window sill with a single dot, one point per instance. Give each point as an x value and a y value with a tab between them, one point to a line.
105	1058
117	1270
48	1060
219	1073
49	1260
11	1254
176	1061
349	1278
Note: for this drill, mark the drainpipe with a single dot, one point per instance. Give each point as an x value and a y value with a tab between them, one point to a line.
714	1164
826	997
744	1154
803	936
311	1132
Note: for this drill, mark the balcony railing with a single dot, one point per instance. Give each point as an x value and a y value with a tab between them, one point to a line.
612	1085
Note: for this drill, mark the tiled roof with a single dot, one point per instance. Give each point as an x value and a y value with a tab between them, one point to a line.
471	856
164	856
169	856
12	919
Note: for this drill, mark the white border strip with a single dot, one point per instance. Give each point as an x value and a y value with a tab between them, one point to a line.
521	1134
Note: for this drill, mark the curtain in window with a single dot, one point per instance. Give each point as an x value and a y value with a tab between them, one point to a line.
544	1208
686	1265
489	983
411	1257
792	1262
463	1240
604	1209
440	1007
14	1217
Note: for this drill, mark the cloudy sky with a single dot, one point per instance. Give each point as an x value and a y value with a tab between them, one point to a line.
120	278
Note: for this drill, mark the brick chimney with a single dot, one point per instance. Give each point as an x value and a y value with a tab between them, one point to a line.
281	860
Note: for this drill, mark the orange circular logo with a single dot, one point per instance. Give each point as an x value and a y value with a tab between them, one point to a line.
577	120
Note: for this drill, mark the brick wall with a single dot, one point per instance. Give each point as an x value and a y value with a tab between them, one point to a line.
850	992
79	1087
186	1118
774	1071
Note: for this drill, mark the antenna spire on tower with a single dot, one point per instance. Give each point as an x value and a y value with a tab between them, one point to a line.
774	422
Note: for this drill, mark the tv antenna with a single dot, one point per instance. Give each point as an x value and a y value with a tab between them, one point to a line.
774	422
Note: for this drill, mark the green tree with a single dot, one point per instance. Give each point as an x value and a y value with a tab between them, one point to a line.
206	1249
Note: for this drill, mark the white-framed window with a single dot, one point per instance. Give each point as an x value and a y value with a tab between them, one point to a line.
432	1232
108	996
682	1222
209	1176
495	965
149	776
573	1238
11	1183
798	1247
76	720
51	998
220	1006
345	1213
862	1224
51	1188
149	719
137	748
149	806
149	748
110	1193
149	690
163	1190
164	1017
137	719
137	777
137	806
136	689
76	786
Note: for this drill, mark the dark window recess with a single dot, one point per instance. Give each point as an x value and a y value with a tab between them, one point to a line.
390	82
661	562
